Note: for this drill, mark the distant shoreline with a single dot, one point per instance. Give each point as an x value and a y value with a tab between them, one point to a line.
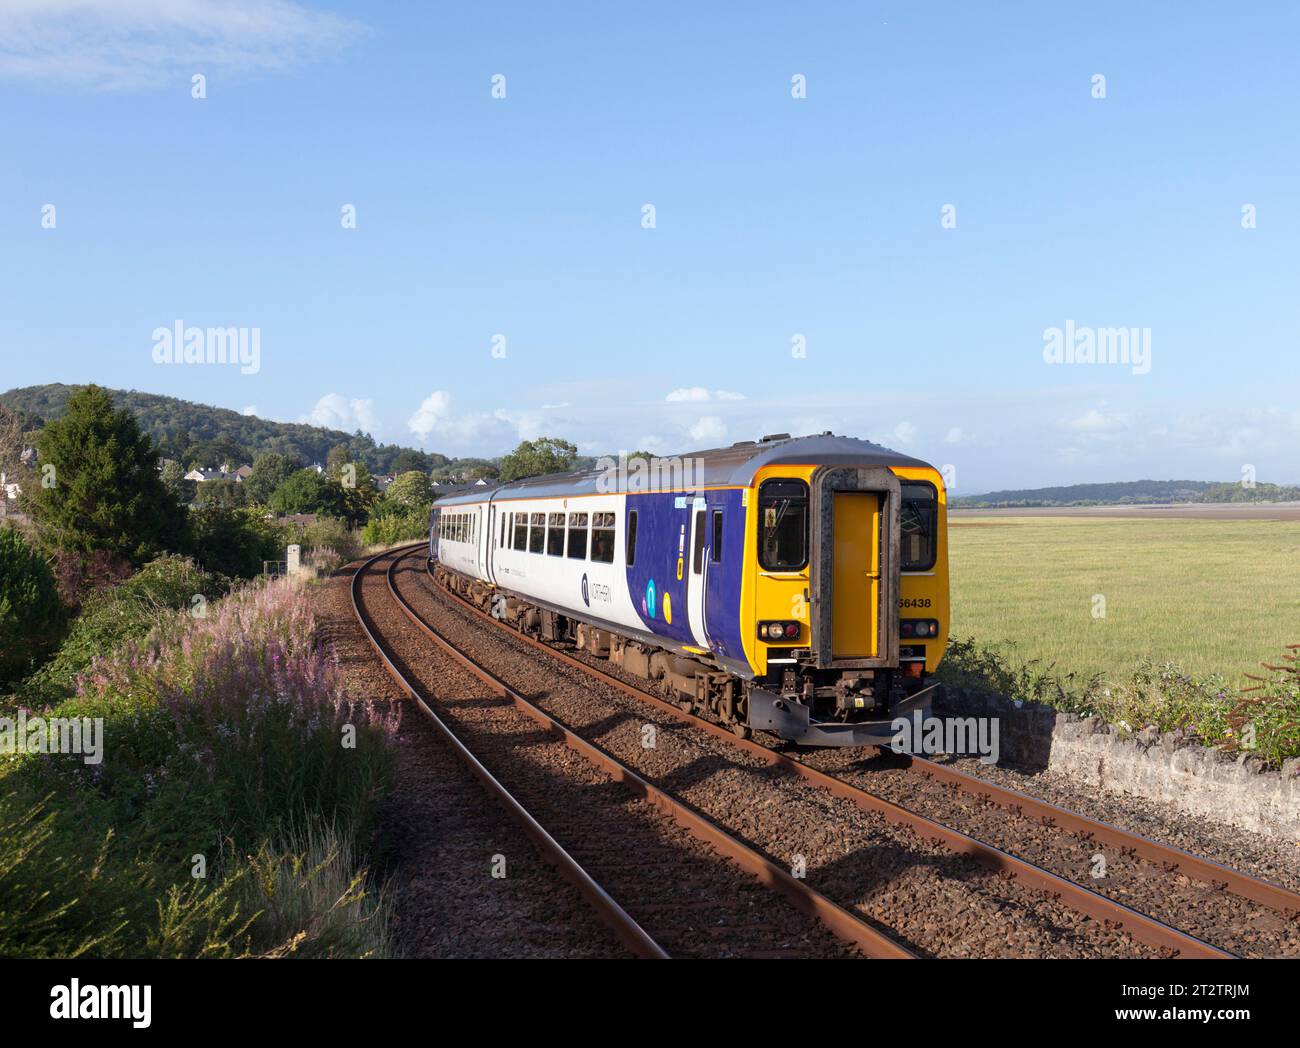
1151	511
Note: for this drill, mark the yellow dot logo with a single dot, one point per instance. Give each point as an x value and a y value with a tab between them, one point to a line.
668	609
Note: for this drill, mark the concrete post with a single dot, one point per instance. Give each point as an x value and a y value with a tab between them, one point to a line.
294	559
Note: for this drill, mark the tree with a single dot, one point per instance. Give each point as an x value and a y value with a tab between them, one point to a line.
31	614
535	458
336	460
270	470
307	491
359	493
11	441
410	491
99	487
228	493
408	460
173	478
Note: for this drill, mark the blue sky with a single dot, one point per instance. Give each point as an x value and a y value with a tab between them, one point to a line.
775	218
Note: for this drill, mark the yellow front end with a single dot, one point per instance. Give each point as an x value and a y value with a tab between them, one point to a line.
781	592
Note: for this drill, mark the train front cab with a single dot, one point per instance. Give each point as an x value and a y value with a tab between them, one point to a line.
849	595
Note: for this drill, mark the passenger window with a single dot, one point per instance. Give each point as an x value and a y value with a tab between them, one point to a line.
537	533
521	531
503	530
631	538
602	538
578	536
697	561
715	553
555	535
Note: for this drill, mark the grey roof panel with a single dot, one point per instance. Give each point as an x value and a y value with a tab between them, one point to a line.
716	467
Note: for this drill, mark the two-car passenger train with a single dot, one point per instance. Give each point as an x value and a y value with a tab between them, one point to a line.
798	586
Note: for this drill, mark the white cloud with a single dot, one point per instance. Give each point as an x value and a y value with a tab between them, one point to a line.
955	436
132	44
476	432
1098	423
698	393
334	411
905	433
433	410
250	410
708	428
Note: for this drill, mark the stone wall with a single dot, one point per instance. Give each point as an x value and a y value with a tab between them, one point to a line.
1162	766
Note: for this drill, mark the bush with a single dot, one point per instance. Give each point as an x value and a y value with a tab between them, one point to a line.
31	614
1265	720
332	534
1268	713
113	617
394	528
234	542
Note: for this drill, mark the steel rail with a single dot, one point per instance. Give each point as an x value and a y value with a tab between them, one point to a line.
1171	859
803	897
1140	926
628	931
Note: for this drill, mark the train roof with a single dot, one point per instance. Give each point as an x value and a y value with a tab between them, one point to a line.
734	466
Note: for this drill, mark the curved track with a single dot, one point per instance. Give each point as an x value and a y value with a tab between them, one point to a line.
844	925
1140	926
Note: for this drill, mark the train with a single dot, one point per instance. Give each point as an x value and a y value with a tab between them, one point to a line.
790	585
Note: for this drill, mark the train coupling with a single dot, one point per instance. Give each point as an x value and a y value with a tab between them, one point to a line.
793	720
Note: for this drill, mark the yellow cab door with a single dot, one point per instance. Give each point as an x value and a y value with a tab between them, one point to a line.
855	626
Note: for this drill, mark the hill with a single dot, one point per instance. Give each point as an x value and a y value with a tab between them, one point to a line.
1127	492
201	435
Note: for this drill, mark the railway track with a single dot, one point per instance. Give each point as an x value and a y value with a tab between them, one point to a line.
663	902
1140	926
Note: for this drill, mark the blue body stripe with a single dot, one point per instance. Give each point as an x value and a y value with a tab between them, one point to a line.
663	535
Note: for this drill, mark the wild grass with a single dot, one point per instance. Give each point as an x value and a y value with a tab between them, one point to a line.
230	750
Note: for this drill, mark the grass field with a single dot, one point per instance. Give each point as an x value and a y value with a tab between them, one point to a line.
1213	596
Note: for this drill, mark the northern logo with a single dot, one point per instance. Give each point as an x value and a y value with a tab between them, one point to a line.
586	595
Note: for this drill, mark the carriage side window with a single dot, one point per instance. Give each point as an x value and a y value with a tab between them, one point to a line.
783	525
697	556
504	522
631	538
521	531
555	534
578	536
537	533
919	520
602	538
716	550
